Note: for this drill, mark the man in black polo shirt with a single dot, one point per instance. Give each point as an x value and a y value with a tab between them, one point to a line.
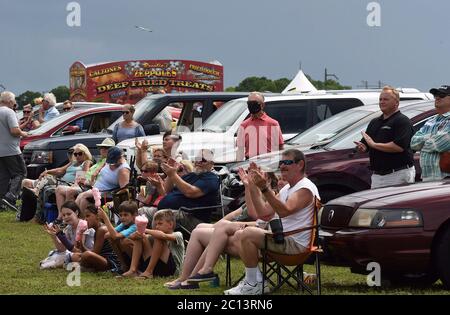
387	139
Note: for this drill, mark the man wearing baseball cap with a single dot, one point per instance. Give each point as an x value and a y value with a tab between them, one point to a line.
434	137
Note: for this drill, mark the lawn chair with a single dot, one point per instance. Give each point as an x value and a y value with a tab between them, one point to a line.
277	264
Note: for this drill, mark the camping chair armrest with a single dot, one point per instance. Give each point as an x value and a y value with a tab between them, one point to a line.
186	209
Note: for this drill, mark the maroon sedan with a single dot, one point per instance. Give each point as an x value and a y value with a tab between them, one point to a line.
82	120
337	168
405	229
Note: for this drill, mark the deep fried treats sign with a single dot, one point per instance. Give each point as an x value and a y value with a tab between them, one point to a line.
129	81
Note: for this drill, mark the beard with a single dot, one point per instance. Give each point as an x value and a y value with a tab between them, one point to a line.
199	170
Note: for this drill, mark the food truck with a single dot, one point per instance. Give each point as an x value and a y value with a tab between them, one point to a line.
126	82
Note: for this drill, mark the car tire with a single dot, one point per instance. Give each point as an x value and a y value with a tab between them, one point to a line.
442	260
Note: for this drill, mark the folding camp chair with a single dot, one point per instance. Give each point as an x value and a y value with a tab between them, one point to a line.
277	264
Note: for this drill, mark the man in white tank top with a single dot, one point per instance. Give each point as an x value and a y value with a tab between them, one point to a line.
294	205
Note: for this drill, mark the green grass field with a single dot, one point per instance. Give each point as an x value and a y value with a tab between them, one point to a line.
23	245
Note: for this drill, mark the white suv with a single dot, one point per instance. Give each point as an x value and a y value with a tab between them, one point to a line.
294	112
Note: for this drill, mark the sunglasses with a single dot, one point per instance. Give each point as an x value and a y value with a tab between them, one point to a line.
27	111
77	153
67	109
285	162
125	113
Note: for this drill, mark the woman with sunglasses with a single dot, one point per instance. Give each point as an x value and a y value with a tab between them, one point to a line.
128	128
27	122
81	160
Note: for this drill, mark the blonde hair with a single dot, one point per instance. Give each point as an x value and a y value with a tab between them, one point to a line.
187	165
129	107
164	214
38	100
83	149
391	89
151	166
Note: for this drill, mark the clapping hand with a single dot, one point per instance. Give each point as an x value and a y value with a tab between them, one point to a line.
259	178
243	176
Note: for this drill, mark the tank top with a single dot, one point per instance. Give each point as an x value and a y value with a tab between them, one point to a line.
109	179
303	217
71	172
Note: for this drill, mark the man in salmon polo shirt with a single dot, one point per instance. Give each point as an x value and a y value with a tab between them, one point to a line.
259	133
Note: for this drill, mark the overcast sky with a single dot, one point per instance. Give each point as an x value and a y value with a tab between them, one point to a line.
249	37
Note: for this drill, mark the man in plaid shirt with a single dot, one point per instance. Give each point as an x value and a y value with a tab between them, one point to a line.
434	137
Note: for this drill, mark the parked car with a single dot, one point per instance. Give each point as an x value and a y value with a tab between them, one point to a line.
294	112
51	152
405	229
337	168
59	107
87	119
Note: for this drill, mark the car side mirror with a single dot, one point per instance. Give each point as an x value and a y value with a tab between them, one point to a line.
70	130
151	129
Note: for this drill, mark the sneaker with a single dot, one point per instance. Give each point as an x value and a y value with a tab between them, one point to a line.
9	204
245	289
202	277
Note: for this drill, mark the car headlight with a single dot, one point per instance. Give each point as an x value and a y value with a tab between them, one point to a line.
42	157
386	218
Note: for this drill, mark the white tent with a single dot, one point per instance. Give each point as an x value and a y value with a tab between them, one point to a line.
299	84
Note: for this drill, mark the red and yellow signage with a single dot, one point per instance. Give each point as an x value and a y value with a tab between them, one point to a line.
129	81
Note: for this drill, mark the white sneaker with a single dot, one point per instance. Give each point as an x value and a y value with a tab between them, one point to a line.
245	289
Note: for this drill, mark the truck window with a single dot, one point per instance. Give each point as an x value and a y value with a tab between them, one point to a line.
293	117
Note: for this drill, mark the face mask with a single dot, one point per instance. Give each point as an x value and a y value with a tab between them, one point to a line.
253	107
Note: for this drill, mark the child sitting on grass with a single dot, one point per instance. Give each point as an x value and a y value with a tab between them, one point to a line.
102	256
66	240
161	249
119	236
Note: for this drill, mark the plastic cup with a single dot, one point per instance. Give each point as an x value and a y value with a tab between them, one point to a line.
141	223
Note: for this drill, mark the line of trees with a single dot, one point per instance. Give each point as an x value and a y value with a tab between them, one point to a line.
264	84
61	92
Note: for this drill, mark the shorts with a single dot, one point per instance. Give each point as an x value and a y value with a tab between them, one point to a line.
289	246
162	269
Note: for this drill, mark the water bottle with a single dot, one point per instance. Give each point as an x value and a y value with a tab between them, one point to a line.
50	212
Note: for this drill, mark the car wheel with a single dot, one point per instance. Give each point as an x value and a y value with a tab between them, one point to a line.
443	258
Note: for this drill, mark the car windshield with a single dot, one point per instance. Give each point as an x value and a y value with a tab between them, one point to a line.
346	140
223	118
49	124
330	127
141	109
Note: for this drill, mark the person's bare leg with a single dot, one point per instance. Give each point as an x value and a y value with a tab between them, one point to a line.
200	238
92	260
60	194
251	241
135	258
161	251
217	244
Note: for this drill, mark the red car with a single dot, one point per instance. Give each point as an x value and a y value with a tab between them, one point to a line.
405	229
82	120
